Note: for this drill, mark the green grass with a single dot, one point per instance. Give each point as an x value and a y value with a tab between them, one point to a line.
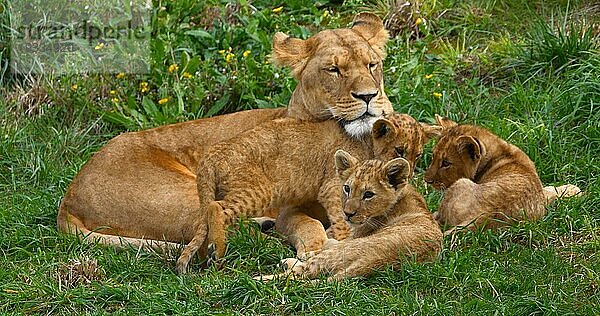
527	70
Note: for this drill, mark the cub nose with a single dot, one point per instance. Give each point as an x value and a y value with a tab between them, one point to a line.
367	97
349	215
428	180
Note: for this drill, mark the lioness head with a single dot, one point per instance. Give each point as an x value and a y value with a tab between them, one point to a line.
401	136
369	188
456	155
339	74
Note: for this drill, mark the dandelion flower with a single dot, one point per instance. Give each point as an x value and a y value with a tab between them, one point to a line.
144	86
173	68
429	76
278	9
418	22
74	87
113	92
115	100
99	46
120	75
437	94
246	53
187	75
229	57
163	101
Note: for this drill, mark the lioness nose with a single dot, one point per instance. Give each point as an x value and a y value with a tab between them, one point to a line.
367	97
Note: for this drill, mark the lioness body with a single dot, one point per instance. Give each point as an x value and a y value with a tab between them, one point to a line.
286	162
142	185
389	225
489	182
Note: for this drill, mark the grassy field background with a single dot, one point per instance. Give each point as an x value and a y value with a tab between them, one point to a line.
527	70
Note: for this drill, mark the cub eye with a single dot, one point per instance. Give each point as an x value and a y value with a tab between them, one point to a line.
346	189
400	152
368	195
446	163
333	70
372	66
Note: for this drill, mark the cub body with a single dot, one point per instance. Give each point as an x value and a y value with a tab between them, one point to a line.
488	182
280	163
389	220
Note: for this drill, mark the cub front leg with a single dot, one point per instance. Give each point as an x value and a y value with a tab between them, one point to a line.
330	196
216	232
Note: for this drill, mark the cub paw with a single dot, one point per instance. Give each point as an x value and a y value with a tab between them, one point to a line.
212	259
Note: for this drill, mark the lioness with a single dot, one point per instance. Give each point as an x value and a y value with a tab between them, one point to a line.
142	185
389	220
488	182
283	162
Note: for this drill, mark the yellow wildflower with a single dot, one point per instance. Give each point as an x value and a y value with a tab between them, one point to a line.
187	75
120	75
229	57
325	13
429	76
278	9
115	100
173	68
74	87
246	53
113	92
437	94
144	86
99	46
222	52
163	101
418	21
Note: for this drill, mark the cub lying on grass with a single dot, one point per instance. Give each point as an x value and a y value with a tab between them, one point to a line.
389	220
280	163
488	182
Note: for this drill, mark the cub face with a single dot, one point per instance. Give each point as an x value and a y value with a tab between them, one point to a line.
339	73
369	188
455	156
401	136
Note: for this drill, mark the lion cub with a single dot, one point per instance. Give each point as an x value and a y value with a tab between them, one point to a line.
388	218
488	182
280	163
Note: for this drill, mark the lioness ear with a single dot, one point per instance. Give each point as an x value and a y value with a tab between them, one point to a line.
431	131
291	52
445	122
344	162
396	172
371	28
381	128
470	146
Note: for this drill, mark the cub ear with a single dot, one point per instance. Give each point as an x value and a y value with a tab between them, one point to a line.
445	122
469	145
381	128
344	162
431	131
396	172
371	28
291	52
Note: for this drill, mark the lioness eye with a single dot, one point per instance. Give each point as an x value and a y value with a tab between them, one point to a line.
368	194
446	163
399	152
346	189
373	66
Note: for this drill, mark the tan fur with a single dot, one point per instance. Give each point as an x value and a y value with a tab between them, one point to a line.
142	185
389	227
286	162
407	141
488	182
